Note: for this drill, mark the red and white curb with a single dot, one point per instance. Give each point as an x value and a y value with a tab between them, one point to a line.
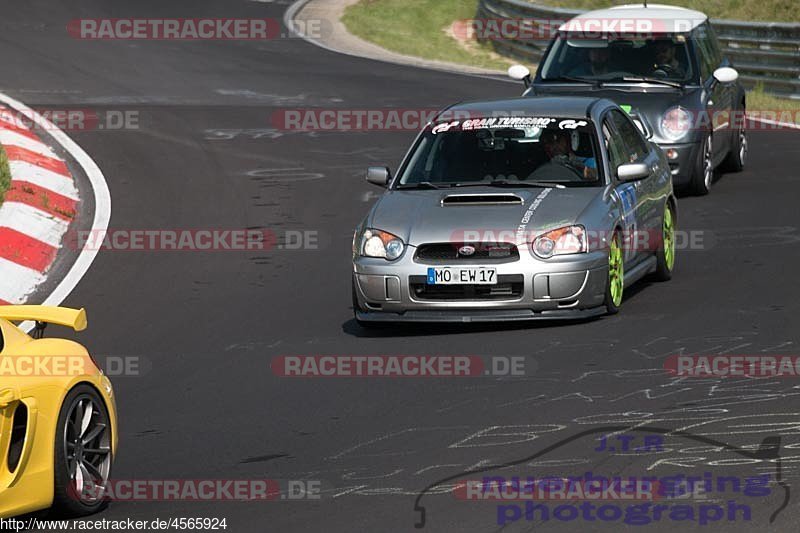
40	205
36	212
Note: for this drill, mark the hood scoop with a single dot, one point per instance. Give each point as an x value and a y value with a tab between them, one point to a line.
481	199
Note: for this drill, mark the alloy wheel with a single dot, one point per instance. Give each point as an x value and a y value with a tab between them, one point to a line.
87	448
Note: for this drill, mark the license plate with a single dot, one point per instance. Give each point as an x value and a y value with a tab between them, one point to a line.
462	276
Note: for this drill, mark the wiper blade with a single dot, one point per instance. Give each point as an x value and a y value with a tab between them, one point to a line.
420	185
506	183
575	79
653	80
540	184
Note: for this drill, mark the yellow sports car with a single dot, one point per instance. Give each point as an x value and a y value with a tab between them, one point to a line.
58	419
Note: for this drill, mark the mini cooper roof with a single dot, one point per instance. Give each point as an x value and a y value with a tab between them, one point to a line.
673	19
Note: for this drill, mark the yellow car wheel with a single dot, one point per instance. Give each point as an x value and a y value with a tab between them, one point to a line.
83	453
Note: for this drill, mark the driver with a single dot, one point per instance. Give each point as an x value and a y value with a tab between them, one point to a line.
597	65
665	61
598	61
558	149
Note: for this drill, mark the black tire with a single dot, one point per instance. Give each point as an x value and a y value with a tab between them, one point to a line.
703	171
737	157
66	501
611	307
663	270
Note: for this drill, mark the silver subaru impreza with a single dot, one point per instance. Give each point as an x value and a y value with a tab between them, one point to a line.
521	209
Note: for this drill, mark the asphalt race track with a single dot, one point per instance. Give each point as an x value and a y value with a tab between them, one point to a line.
207	325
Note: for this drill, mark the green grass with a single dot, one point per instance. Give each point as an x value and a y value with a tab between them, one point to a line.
769	10
5	174
419	28
758	100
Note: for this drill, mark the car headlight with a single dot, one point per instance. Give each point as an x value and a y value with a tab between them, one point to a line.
561	241
377	243
676	123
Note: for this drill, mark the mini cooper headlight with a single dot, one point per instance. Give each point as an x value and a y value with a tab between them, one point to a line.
561	241
377	243
676	123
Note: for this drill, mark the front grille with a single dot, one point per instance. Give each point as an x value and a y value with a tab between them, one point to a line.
486	252
508	287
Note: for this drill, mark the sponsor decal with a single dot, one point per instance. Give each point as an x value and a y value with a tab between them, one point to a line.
526	218
506	122
445	126
571	124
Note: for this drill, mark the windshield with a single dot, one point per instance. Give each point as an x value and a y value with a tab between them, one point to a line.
516	150
665	57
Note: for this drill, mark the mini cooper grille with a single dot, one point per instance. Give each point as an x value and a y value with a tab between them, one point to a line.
508	287
453	251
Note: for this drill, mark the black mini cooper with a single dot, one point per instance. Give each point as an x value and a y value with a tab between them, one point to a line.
674	82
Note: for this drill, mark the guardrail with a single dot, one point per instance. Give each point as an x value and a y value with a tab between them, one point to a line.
764	53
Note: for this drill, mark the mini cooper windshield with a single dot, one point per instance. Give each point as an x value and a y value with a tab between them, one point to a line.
515	151
664	59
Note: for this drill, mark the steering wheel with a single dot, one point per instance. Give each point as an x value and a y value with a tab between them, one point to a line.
664	70
558	171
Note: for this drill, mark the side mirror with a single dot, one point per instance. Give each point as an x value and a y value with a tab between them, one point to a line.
726	75
520	73
379	176
632	172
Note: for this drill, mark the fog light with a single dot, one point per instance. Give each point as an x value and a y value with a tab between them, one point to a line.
672	154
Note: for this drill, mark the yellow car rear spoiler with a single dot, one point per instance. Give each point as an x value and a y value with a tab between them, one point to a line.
62	316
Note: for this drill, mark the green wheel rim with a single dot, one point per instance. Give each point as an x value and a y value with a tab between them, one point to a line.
669	238
615	271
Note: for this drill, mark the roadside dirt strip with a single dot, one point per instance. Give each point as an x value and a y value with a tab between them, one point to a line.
37	210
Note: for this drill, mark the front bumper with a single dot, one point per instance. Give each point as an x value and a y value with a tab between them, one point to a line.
559	288
470	316
683	165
